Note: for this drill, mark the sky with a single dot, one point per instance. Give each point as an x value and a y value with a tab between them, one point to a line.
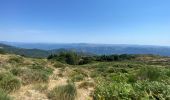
145	22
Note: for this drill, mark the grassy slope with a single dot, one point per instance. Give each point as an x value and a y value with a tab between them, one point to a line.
147	77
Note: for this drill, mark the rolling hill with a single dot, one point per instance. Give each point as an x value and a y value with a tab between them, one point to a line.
99	49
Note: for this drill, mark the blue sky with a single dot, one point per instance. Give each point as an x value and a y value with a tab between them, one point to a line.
86	21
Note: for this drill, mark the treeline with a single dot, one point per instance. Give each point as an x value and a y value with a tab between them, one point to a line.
73	58
115	57
66	57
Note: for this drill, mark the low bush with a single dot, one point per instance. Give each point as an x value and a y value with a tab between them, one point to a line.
15	59
64	92
154	90
140	90
66	57
4	96
2	51
93	74
149	73
113	91
9	83
86	60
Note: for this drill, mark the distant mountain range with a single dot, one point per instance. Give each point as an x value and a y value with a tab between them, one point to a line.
98	49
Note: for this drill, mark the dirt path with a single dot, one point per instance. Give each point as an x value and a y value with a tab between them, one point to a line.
27	93
56	82
83	94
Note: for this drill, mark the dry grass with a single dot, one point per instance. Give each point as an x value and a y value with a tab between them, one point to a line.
63	92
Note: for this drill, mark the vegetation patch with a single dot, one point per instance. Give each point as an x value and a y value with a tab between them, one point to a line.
149	73
4	95
77	75
59	65
64	92
33	74
15	59
41	87
77	78
66	57
86	84
9	83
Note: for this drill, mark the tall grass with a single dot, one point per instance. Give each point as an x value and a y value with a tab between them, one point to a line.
64	92
4	96
9	83
33	74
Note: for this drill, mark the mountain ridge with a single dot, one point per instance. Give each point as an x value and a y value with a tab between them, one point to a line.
98	49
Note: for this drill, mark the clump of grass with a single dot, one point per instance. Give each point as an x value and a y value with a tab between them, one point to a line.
42	69
58	65
33	74
77	75
9	83
16	71
41	87
93	74
77	78
64	92
4	95
15	59
86	84
30	76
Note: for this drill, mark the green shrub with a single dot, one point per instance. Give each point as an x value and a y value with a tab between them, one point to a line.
86	60
132	79
4	96
149	73
65	92
142	90
113	91
66	57
155	90
93	74
168	72
8	82
120	78
116	70
2	51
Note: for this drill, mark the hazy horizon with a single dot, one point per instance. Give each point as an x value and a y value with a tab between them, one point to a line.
12	43
134	22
